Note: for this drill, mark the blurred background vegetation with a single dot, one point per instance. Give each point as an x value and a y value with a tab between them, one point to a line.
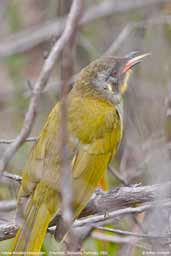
131	25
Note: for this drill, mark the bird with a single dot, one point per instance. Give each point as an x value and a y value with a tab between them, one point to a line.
95	130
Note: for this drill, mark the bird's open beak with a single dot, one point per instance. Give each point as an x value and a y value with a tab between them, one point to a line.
133	61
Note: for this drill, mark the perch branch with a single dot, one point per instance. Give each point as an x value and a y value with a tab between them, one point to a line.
114	200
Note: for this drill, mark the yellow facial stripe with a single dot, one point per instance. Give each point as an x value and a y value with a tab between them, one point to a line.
124	85
109	86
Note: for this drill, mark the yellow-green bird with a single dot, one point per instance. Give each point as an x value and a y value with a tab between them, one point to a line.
95	127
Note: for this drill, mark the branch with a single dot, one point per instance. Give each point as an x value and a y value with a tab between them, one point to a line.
124	196
118	197
133	25
12	177
7	231
110	217
114	199
66	74
129	233
26	40
40	85
30	139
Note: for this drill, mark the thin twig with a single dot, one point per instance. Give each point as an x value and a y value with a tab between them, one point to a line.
12	177
129	233
111	216
119	39
129	28
65	168
118	239
30	139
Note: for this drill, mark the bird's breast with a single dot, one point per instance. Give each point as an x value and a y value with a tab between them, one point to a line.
95	122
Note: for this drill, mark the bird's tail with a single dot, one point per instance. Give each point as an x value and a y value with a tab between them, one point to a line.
30	236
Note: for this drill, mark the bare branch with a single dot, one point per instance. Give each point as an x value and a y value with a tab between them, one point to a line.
12	177
110	217
65	168
7	231
40	85
30	139
111	7
128	233
118	239
66	74
130	27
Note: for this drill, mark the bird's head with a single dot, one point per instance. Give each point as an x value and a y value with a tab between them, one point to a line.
108	76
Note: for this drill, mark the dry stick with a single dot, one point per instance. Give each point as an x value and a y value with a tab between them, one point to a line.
40	84
30	139
7	231
67	72
118	41
130	27
12	177
109	7
118	239
65	180
111	216
121	197
26	40
168	139
129	233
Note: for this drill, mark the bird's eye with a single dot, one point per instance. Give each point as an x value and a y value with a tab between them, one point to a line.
114	73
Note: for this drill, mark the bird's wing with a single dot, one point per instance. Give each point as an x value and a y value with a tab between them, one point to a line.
41	168
90	164
103	138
